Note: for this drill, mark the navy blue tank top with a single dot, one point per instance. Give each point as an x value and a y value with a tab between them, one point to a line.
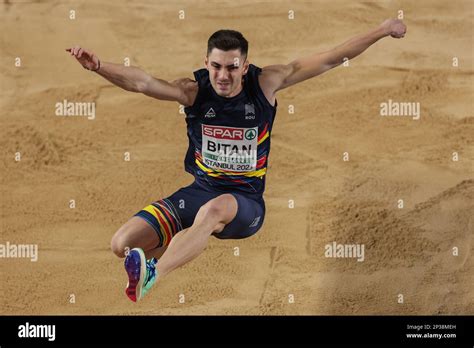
229	138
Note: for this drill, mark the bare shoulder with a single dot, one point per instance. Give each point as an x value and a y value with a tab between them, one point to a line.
184	82
273	76
277	69
189	89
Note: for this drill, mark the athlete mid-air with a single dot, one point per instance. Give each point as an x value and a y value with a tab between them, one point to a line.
230	107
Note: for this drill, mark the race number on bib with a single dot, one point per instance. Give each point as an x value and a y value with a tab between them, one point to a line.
229	148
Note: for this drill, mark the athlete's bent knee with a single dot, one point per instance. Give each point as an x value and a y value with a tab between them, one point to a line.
118	244
218	208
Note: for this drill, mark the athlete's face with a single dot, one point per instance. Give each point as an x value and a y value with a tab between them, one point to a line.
226	69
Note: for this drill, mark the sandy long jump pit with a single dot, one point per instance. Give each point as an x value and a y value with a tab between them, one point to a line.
369	189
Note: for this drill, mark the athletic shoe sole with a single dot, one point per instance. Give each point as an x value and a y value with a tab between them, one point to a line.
135	265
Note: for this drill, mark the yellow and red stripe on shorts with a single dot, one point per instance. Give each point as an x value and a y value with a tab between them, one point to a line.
163	219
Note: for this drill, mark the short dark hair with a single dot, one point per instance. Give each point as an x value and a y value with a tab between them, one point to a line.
227	40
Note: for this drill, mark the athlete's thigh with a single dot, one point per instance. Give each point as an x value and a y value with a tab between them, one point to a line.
248	220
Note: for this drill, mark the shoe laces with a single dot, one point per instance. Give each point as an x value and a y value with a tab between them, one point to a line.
151	269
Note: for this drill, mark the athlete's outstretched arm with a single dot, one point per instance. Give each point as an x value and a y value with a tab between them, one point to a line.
134	79
277	77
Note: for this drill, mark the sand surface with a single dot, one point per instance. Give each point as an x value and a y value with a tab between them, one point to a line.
283	268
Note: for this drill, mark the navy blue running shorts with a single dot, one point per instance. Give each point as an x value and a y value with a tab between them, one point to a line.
172	214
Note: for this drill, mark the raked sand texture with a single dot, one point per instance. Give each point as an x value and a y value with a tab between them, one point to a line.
313	198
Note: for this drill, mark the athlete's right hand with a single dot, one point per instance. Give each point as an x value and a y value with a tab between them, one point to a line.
87	58
395	28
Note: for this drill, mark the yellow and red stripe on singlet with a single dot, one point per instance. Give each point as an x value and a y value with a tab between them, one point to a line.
263	135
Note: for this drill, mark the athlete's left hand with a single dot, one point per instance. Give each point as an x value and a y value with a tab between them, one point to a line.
394	27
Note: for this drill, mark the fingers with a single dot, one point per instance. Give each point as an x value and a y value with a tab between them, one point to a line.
86	53
75	51
70	50
404	31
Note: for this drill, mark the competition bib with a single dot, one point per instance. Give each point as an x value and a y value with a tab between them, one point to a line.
229	148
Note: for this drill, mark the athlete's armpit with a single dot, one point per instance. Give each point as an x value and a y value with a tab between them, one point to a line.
272	79
189	89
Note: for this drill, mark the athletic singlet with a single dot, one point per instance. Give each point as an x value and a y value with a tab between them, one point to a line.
229	138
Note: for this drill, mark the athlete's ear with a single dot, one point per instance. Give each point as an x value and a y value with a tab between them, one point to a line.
246	66
206	62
